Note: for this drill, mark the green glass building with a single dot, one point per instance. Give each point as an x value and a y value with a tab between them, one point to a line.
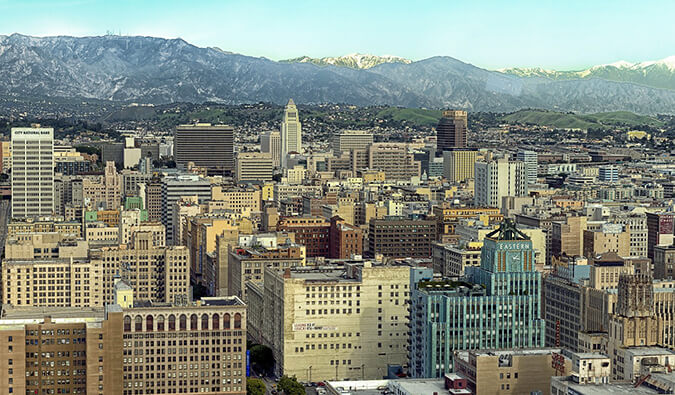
496	306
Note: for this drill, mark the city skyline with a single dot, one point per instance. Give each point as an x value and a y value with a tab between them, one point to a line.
486	33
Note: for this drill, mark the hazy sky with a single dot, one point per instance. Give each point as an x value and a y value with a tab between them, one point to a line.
562	34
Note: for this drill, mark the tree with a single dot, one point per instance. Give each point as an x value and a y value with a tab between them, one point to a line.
290	386
262	357
255	387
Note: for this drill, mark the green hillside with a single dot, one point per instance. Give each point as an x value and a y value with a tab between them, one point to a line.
575	121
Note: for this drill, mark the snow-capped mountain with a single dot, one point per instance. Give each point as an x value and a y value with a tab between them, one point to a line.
353	60
655	73
157	70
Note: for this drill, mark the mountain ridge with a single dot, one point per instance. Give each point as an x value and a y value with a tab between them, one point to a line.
157	70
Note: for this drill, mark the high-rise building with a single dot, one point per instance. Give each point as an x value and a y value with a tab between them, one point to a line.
499	306
291	132
352	324
451	130
659	231
393	159
270	143
254	167
173	188
531	164
496	179
206	145
32	172
346	140
398	237
459	164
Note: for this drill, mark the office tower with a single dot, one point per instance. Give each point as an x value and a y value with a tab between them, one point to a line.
151	193
6	156
608	174
531	164
567	237
496	179
664	262
398	237
270	143
459	164
659	231
394	160
254	167
505	283
352	324
346	140
205	145
291	132
451	130
175	187
32	172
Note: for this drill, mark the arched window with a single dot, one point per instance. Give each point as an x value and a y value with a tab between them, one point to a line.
226	321
172	322
183	322
237	321
215	322
205	322
138	323
127	323
193	322
160	323
149	327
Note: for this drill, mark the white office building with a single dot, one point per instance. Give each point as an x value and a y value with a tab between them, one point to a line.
291	132
32	172
496	179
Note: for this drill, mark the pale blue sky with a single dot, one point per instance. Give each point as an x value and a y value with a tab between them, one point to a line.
563	34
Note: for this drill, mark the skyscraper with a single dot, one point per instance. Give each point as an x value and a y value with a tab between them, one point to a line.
270	142
32	172
530	159
291	132
498	307
346	140
451	130
496	179
206	145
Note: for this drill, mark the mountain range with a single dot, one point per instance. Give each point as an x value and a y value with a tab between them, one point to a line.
354	60
158	70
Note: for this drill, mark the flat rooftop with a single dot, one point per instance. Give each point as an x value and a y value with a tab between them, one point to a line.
602	389
375	387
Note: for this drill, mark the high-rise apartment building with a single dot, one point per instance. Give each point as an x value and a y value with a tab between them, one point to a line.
531	164
499	306
254	167
270	143
32	172
206	145
496	179
451	130
347	140
291	132
459	164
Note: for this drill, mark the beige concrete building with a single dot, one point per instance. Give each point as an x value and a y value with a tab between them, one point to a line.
53	282
183	209
237	199
253	167
247	264
270	143
610	238
347	140
31	246
394	160
71	229
98	234
158	274
567	237
459	164
334	322
509	371
103	191
450	260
